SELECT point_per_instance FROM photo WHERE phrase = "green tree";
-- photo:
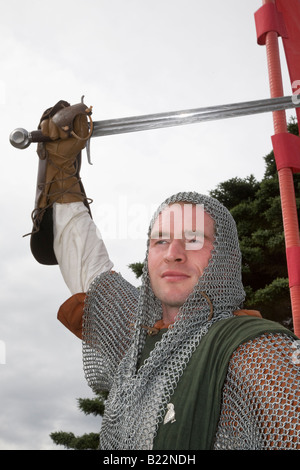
(137, 268)
(90, 441)
(256, 208)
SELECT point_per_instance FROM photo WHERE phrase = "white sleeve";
(78, 246)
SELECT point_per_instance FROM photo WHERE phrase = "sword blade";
(192, 116)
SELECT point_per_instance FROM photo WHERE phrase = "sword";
(20, 138)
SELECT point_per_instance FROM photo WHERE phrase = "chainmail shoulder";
(261, 402)
(109, 316)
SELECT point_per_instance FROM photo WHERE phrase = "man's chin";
(176, 301)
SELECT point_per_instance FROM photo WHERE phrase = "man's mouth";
(174, 276)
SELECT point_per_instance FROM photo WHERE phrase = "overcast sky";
(128, 57)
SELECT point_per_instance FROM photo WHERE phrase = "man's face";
(180, 248)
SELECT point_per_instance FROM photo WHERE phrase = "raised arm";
(63, 230)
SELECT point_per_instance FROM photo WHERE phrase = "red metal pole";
(285, 175)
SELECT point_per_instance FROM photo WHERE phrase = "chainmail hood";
(221, 280)
(138, 397)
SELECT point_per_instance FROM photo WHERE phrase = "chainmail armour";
(114, 337)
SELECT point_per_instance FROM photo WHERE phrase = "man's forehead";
(182, 217)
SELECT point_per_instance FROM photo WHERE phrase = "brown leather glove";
(67, 127)
(59, 171)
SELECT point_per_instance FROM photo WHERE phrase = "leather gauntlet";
(58, 177)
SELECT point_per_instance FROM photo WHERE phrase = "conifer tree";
(90, 441)
(256, 208)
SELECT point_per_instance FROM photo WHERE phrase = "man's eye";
(193, 240)
(160, 242)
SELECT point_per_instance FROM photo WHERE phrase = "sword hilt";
(21, 138)
(63, 118)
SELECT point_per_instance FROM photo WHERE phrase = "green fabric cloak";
(197, 398)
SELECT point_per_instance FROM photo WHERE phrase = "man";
(185, 369)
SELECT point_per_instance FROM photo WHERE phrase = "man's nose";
(176, 251)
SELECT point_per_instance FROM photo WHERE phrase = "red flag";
(290, 10)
